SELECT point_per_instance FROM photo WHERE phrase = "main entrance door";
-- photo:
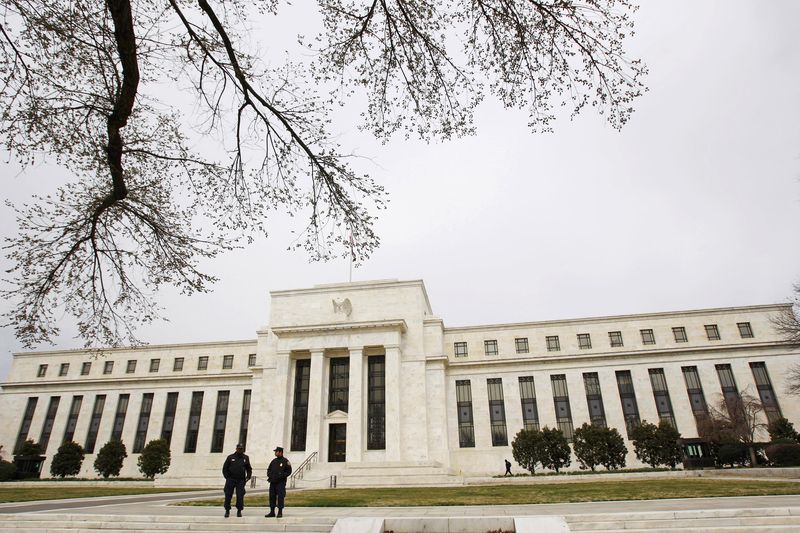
(337, 443)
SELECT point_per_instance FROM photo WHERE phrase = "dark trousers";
(238, 485)
(277, 492)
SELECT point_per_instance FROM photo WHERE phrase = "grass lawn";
(30, 494)
(520, 494)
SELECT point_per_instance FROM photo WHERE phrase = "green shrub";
(109, 459)
(733, 453)
(68, 460)
(29, 448)
(784, 454)
(595, 445)
(657, 445)
(555, 452)
(155, 458)
(526, 449)
(8, 471)
(782, 429)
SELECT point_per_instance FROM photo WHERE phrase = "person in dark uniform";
(278, 472)
(237, 472)
(508, 468)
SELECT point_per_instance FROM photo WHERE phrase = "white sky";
(695, 204)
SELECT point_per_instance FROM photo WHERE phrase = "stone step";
(704, 520)
(729, 529)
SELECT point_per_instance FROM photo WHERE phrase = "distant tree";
(782, 429)
(155, 458)
(739, 418)
(80, 86)
(110, 457)
(526, 449)
(29, 448)
(645, 443)
(787, 324)
(670, 449)
(68, 460)
(616, 452)
(596, 445)
(783, 454)
(556, 453)
(8, 470)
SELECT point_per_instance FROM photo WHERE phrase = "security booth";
(697, 454)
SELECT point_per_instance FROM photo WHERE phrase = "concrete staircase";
(397, 474)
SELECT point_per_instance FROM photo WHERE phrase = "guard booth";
(697, 454)
(29, 466)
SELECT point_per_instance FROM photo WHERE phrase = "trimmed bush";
(595, 445)
(67, 460)
(784, 454)
(8, 471)
(733, 453)
(155, 458)
(556, 452)
(526, 449)
(29, 448)
(109, 459)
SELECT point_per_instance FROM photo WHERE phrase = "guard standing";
(237, 472)
(278, 472)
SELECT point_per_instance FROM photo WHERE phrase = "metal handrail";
(298, 472)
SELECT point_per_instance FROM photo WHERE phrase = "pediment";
(336, 415)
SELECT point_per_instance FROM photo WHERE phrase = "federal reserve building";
(367, 381)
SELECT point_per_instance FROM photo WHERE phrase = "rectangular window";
(490, 347)
(169, 416)
(594, 398)
(154, 364)
(227, 362)
(630, 409)
(661, 395)
(251, 361)
(521, 344)
(339, 384)
(119, 417)
(25, 427)
(552, 343)
(302, 374)
(202, 362)
(193, 428)
(376, 402)
(42, 371)
(680, 334)
(131, 368)
(497, 412)
(108, 367)
(765, 391)
(72, 419)
(530, 411)
(561, 402)
(712, 332)
(466, 429)
(696, 397)
(49, 420)
(730, 392)
(86, 368)
(584, 341)
(647, 336)
(245, 421)
(62, 371)
(220, 421)
(460, 349)
(144, 422)
(177, 364)
(745, 331)
(94, 423)
(615, 339)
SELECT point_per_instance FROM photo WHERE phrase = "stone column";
(355, 403)
(280, 395)
(315, 405)
(394, 449)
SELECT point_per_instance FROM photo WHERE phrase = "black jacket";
(279, 470)
(237, 466)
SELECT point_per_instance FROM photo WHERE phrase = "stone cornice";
(115, 383)
(373, 325)
(139, 349)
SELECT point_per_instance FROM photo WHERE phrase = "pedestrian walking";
(508, 468)
(237, 472)
(278, 472)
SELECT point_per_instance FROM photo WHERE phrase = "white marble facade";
(355, 323)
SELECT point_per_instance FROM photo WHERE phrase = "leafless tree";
(787, 324)
(736, 418)
(78, 84)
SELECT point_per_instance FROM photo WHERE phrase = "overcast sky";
(696, 203)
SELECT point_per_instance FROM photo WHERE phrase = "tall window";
(376, 402)
(561, 402)
(119, 417)
(86, 367)
(765, 391)
(497, 412)
(647, 336)
(25, 427)
(460, 349)
(193, 427)
(661, 395)
(227, 362)
(302, 374)
(202, 362)
(154, 364)
(169, 416)
(745, 331)
(530, 411)
(251, 361)
(730, 392)
(630, 409)
(131, 368)
(521, 344)
(466, 428)
(144, 421)
(339, 384)
(49, 420)
(680, 334)
(712, 332)
(62, 371)
(220, 421)
(615, 338)
(42, 371)
(94, 423)
(695, 390)
(245, 422)
(108, 367)
(72, 419)
(552, 343)
(584, 341)
(594, 398)
(177, 364)
(490, 347)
